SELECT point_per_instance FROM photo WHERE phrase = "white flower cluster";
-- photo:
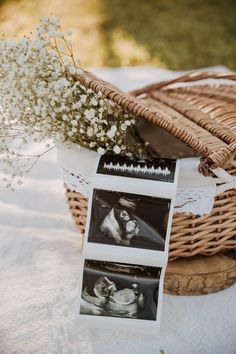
(41, 98)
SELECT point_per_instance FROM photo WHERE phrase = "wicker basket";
(204, 118)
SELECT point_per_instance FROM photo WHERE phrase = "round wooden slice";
(200, 275)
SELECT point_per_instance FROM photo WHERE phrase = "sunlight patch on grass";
(127, 52)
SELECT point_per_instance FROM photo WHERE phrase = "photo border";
(128, 255)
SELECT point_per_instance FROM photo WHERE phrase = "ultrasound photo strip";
(126, 245)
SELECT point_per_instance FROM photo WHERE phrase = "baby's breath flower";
(101, 151)
(83, 98)
(61, 48)
(116, 149)
(112, 131)
(90, 132)
(73, 70)
(89, 113)
(94, 102)
(69, 33)
(54, 20)
(41, 99)
(123, 127)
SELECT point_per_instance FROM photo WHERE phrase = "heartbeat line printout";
(126, 242)
(153, 169)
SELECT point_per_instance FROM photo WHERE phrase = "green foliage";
(174, 34)
(178, 34)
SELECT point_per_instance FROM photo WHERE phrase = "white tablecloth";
(39, 271)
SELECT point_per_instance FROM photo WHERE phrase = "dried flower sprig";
(41, 101)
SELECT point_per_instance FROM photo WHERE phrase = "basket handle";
(190, 77)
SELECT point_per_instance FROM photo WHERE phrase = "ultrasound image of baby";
(119, 222)
(127, 219)
(119, 290)
(109, 301)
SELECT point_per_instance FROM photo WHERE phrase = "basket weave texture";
(203, 117)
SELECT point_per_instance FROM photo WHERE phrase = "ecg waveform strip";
(136, 169)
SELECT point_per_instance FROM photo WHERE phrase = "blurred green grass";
(175, 34)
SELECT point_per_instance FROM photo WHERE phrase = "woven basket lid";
(203, 116)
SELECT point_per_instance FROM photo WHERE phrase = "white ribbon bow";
(224, 180)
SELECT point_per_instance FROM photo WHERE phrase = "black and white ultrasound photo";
(129, 220)
(120, 290)
(156, 169)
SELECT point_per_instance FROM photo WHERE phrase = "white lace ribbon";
(225, 181)
(195, 193)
